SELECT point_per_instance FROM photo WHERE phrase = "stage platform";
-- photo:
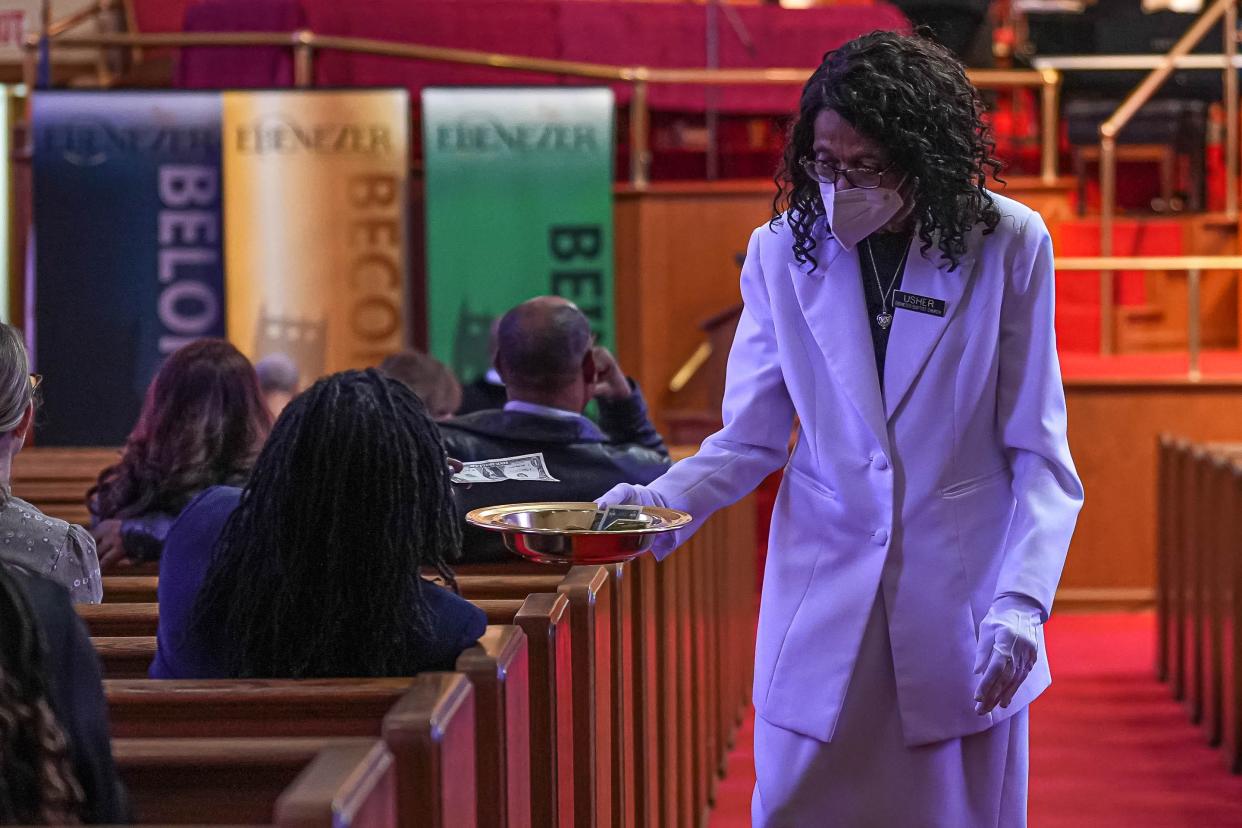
(1217, 366)
(1118, 408)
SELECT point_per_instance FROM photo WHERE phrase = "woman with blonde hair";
(30, 540)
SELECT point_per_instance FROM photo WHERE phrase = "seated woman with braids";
(202, 424)
(56, 764)
(62, 552)
(313, 570)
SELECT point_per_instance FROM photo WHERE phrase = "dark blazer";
(587, 459)
(186, 651)
(75, 692)
(481, 395)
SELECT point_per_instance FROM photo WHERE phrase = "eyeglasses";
(864, 178)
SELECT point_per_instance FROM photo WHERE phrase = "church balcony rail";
(305, 44)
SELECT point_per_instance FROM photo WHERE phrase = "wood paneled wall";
(675, 268)
(676, 246)
(1113, 428)
(675, 264)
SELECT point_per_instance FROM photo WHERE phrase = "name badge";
(920, 304)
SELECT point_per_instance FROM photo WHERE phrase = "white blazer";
(947, 488)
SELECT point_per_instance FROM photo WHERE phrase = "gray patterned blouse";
(60, 551)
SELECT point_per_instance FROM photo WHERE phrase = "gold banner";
(315, 195)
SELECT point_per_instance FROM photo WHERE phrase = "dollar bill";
(609, 518)
(525, 467)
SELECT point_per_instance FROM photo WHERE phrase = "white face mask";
(854, 214)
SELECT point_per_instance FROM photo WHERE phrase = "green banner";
(519, 204)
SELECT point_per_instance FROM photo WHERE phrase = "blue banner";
(128, 250)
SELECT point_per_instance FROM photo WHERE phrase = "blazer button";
(879, 462)
(880, 537)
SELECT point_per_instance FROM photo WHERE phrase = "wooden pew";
(498, 666)
(285, 782)
(125, 657)
(645, 689)
(428, 722)
(1231, 638)
(590, 600)
(1182, 535)
(545, 618)
(110, 620)
(433, 726)
(130, 589)
(686, 682)
(1200, 586)
(1216, 549)
(56, 480)
(590, 607)
(484, 582)
(709, 604)
(1197, 519)
(1166, 555)
(1209, 484)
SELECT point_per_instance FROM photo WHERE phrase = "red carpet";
(1109, 746)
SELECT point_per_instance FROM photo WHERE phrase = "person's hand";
(455, 467)
(110, 545)
(1008, 648)
(629, 493)
(610, 381)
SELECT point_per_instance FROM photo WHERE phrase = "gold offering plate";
(561, 532)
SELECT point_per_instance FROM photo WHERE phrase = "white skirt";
(867, 777)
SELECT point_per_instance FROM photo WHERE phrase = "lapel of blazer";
(914, 335)
(835, 310)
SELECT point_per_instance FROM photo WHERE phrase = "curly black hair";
(912, 97)
(38, 784)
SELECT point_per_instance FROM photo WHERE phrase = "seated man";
(551, 371)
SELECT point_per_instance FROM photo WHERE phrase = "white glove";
(1008, 649)
(629, 493)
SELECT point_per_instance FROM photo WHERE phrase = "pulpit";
(696, 391)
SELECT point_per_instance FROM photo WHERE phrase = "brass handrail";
(1192, 265)
(1110, 129)
(79, 17)
(305, 43)
(984, 78)
(1149, 263)
(1125, 63)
